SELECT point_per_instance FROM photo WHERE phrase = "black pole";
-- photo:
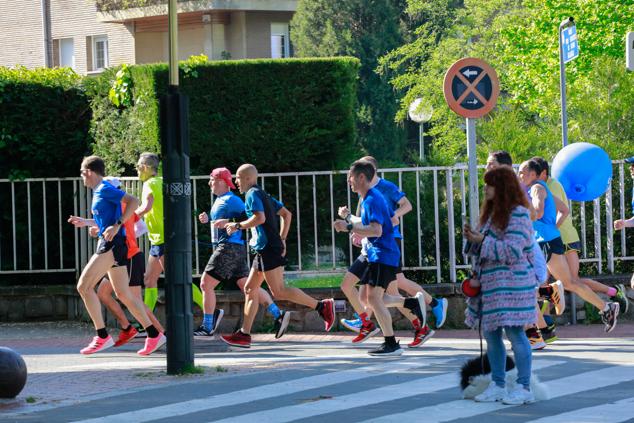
(177, 191)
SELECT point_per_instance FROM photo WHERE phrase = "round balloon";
(583, 169)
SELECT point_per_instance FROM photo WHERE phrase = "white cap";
(114, 181)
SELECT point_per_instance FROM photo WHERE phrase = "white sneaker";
(518, 396)
(492, 394)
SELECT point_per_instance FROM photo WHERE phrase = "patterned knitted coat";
(504, 267)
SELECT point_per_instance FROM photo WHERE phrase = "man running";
(621, 224)
(229, 259)
(383, 255)
(151, 209)
(110, 257)
(549, 239)
(268, 241)
(398, 205)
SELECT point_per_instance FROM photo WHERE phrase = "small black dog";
(475, 377)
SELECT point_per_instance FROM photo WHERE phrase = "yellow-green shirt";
(568, 232)
(154, 218)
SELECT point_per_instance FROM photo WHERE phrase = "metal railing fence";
(35, 237)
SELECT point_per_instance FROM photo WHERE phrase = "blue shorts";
(157, 250)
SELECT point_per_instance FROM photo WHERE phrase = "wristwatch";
(238, 225)
(348, 218)
(349, 226)
(119, 222)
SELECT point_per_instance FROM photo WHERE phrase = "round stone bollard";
(12, 373)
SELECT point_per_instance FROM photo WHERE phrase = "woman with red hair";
(502, 246)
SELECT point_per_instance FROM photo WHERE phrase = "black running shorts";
(136, 269)
(118, 247)
(379, 274)
(359, 266)
(268, 259)
(554, 246)
(228, 261)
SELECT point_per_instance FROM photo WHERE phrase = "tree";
(519, 39)
(366, 29)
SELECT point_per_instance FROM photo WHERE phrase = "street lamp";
(420, 113)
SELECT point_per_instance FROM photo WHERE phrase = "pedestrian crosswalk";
(586, 383)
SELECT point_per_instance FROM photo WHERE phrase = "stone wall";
(61, 302)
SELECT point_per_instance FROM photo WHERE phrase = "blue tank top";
(546, 227)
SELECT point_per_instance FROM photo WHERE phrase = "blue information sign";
(569, 43)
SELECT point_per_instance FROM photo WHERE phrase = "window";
(66, 53)
(280, 46)
(99, 52)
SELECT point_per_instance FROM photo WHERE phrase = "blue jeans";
(497, 354)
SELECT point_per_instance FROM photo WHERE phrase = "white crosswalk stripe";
(614, 412)
(359, 399)
(266, 391)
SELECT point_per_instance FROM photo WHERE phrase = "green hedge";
(281, 115)
(44, 121)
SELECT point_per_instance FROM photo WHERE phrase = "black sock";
(127, 329)
(152, 332)
(433, 303)
(319, 307)
(390, 340)
(545, 291)
(102, 333)
(410, 303)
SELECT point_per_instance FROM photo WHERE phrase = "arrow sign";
(469, 73)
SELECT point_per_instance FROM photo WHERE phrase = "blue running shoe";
(440, 311)
(352, 324)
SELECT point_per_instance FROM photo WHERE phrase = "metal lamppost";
(177, 191)
(420, 114)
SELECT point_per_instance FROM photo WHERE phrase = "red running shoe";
(421, 336)
(237, 339)
(125, 336)
(367, 331)
(328, 313)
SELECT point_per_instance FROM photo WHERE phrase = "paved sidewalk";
(59, 375)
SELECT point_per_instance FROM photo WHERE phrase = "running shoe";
(237, 339)
(492, 393)
(609, 316)
(328, 313)
(152, 344)
(218, 314)
(421, 336)
(202, 331)
(352, 324)
(549, 334)
(98, 344)
(518, 396)
(440, 311)
(281, 324)
(386, 350)
(125, 336)
(558, 297)
(366, 332)
(535, 338)
(621, 298)
(417, 306)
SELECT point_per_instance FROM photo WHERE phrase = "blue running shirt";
(227, 206)
(392, 195)
(381, 249)
(253, 203)
(106, 206)
(546, 227)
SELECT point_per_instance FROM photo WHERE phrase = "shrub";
(281, 115)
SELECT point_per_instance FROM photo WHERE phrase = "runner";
(398, 205)
(383, 255)
(621, 224)
(549, 239)
(110, 257)
(268, 241)
(151, 209)
(229, 259)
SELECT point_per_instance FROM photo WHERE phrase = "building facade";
(73, 33)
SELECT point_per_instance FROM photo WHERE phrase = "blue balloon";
(584, 170)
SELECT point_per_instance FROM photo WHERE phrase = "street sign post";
(568, 50)
(471, 90)
(629, 51)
